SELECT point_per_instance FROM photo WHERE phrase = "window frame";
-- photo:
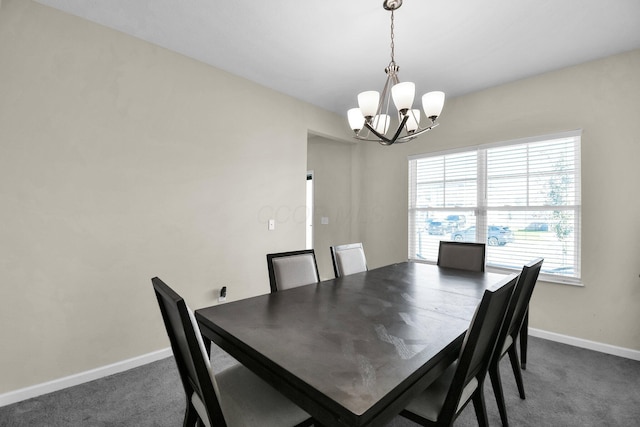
(482, 209)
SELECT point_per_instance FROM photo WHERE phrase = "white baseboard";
(82, 377)
(590, 345)
(94, 374)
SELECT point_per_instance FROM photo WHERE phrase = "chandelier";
(371, 121)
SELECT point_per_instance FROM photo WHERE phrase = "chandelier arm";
(400, 127)
(384, 96)
(386, 141)
(376, 133)
(416, 134)
(383, 139)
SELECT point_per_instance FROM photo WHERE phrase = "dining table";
(354, 350)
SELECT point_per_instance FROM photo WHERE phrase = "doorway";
(309, 211)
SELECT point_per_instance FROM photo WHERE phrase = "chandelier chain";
(393, 61)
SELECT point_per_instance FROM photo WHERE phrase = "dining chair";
(462, 255)
(291, 269)
(348, 259)
(512, 326)
(232, 397)
(462, 381)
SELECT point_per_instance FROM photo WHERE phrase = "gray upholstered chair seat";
(348, 259)
(247, 400)
(429, 403)
(292, 269)
(461, 255)
(296, 270)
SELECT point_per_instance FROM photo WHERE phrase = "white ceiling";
(326, 52)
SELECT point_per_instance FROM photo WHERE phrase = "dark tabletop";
(353, 350)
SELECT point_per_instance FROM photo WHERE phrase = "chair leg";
(480, 407)
(515, 365)
(524, 338)
(190, 416)
(496, 382)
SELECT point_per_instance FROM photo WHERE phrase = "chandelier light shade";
(368, 103)
(403, 94)
(371, 120)
(432, 103)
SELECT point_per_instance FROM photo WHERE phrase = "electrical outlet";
(223, 294)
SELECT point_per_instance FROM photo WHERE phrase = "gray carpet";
(565, 386)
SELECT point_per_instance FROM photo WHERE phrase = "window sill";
(545, 277)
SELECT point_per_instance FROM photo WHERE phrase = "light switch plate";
(272, 224)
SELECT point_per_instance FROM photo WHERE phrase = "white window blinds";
(522, 198)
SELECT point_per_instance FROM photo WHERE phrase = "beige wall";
(335, 196)
(120, 161)
(603, 99)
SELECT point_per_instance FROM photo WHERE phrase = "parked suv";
(537, 226)
(456, 221)
(439, 227)
(497, 235)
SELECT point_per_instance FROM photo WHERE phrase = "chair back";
(519, 303)
(479, 343)
(348, 259)
(189, 351)
(292, 269)
(462, 255)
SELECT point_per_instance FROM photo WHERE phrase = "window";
(520, 197)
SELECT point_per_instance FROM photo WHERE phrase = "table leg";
(207, 345)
